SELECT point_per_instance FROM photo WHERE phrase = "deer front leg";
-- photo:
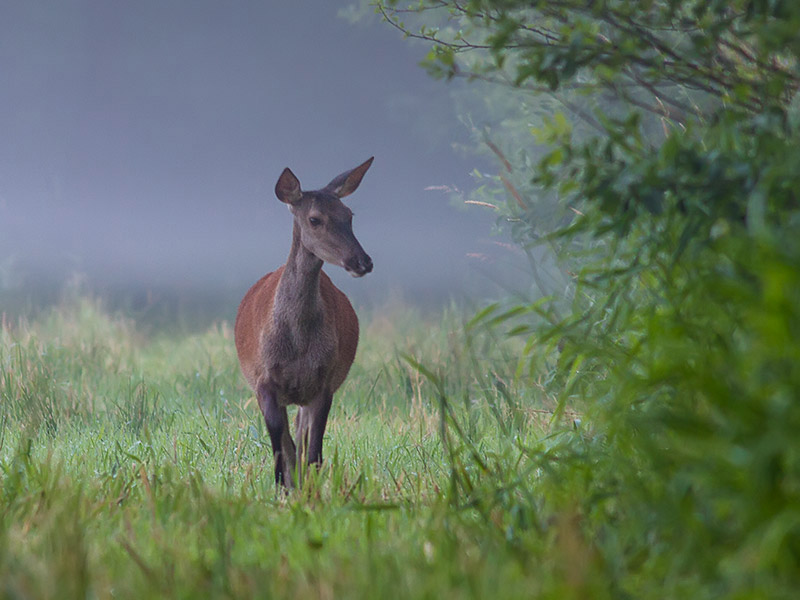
(310, 429)
(318, 419)
(283, 449)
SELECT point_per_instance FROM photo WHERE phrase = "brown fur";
(254, 323)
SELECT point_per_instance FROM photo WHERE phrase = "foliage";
(677, 149)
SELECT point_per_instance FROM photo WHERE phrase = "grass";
(140, 467)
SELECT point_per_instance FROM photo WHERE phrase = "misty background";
(142, 141)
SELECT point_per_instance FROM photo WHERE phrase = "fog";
(142, 141)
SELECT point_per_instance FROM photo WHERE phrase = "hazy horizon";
(144, 141)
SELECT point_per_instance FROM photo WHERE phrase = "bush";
(679, 226)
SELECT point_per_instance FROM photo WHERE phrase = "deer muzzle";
(358, 265)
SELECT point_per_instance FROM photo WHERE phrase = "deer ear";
(347, 183)
(288, 187)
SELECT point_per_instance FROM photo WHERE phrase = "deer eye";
(314, 221)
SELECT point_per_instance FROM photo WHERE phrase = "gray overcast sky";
(142, 140)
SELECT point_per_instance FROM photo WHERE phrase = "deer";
(296, 333)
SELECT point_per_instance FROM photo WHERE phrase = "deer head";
(324, 223)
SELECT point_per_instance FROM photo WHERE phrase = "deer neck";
(298, 301)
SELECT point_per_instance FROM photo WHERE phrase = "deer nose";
(359, 265)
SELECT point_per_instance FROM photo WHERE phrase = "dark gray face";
(326, 230)
(326, 225)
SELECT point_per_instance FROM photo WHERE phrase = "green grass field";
(140, 467)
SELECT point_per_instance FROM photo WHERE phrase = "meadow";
(138, 465)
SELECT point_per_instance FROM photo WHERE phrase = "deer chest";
(299, 363)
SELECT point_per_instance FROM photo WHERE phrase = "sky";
(142, 142)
